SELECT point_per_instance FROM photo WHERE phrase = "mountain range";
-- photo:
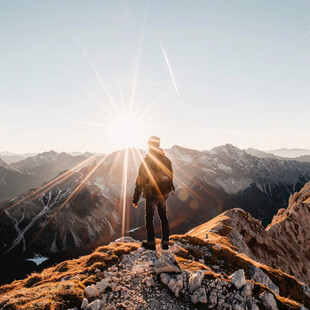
(81, 208)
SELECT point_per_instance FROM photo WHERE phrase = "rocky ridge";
(144, 279)
(284, 244)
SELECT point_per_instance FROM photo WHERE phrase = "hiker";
(155, 180)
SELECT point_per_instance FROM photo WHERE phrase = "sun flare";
(126, 131)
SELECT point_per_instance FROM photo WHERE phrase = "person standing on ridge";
(155, 180)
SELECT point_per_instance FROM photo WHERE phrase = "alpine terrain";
(78, 210)
(230, 262)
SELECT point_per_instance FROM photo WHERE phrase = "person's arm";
(171, 171)
(139, 186)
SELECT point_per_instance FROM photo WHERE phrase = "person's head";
(153, 143)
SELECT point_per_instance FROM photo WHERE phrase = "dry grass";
(53, 288)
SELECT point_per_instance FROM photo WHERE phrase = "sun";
(126, 131)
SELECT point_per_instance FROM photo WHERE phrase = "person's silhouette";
(155, 180)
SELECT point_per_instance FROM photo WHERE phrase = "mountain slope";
(48, 221)
(224, 271)
(12, 181)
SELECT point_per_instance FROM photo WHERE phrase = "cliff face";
(230, 262)
(284, 244)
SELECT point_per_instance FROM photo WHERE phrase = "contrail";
(171, 73)
(303, 37)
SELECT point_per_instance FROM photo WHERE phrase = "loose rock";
(200, 295)
(90, 291)
(238, 278)
(195, 280)
(268, 300)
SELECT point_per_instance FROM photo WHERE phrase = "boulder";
(102, 285)
(84, 303)
(268, 300)
(195, 280)
(200, 295)
(90, 291)
(166, 263)
(238, 278)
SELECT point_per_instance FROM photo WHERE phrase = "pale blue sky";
(242, 69)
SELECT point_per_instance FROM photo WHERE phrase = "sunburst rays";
(124, 190)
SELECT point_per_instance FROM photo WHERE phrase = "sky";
(102, 75)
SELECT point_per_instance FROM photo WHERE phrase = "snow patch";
(38, 259)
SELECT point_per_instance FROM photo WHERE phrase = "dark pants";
(150, 206)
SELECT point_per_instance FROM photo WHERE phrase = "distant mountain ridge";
(260, 154)
(33, 171)
(10, 157)
(291, 153)
(284, 155)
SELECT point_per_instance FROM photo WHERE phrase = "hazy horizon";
(78, 75)
(145, 148)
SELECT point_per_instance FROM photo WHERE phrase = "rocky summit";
(231, 262)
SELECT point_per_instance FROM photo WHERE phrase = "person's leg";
(150, 206)
(162, 213)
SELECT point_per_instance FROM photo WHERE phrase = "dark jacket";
(145, 181)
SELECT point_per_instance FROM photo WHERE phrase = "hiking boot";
(165, 245)
(148, 245)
